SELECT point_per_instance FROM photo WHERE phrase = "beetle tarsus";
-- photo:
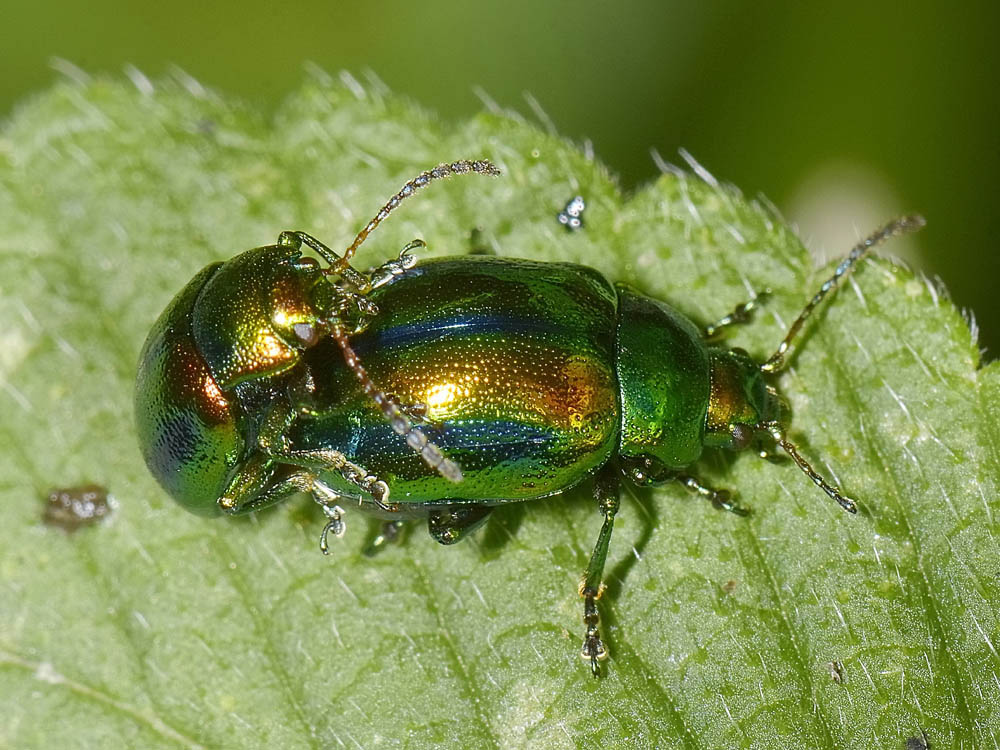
(370, 484)
(335, 525)
(593, 649)
(720, 499)
(383, 274)
(379, 491)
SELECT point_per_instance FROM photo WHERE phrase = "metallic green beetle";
(498, 380)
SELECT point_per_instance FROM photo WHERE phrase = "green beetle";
(484, 381)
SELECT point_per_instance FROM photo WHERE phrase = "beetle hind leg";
(646, 471)
(607, 494)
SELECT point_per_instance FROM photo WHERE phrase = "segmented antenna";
(777, 360)
(340, 265)
(778, 433)
(424, 178)
(903, 224)
(413, 435)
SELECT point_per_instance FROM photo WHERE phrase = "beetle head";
(259, 311)
(741, 404)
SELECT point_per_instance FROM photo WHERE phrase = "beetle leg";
(324, 459)
(606, 492)
(327, 499)
(389, 532)
(262, 482)
(334, 523)
(740, 314)
(369, 483)
(721, 499)
(389, 270)
(273, 444)
(296, 239)
(456, 522)
(477, 243)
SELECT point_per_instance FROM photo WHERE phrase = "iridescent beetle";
(485, 381)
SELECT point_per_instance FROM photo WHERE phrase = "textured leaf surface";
(162, 629)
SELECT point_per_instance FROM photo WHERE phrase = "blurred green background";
(843, 116)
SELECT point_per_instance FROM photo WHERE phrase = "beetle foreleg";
(606, 491)
(740, 314)
(273, 444)
(333, 460)
(295, 239)
(262, 482)
(721, 499)
(389, 270)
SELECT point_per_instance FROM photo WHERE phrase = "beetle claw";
(335, 524)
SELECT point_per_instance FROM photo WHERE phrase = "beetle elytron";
(442, 389)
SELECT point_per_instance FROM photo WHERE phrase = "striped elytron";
(442, 389)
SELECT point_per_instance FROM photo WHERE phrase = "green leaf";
(156, 628)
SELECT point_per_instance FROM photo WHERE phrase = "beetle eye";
(306, 333)
(741, 435)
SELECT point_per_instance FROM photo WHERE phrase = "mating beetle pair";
(444, 388)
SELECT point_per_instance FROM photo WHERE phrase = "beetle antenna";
(778, 433)
(424, 178)
(413, 435)
(898, 226)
